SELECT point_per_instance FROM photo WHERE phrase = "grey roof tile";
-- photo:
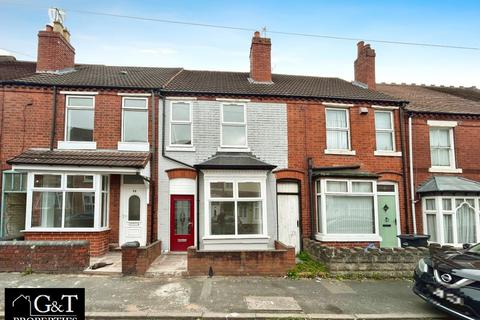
(439, 184)
(234, 160)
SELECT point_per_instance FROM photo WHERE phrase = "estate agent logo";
(45, 304)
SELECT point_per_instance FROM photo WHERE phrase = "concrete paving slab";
(168, 265)
(272, 303)
(337, 287)
(114, 257)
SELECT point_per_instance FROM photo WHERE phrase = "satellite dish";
(56, 15)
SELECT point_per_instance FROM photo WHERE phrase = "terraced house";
(233, 167)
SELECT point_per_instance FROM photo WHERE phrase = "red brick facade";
(260, 59)
(364, 66)
(137, 260)
(98, 239)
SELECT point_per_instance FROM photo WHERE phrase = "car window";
(475, 248)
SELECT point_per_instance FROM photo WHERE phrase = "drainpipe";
(404, 166)
(312, 203)
(412, 184)
(54, 118)
(153, 167)
(198, 209)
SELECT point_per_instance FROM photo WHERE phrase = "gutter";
(412, 183)
(54, 118)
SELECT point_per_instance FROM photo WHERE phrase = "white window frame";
(392, 152)
(97, 189)
(134, 109)
(321, 214)
(349, 150)
(179, 147)
(235, 178)
(70, 144)
(5, 191)
(452, 168)
(440, 212)
(234, 124)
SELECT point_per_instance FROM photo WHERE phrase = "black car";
(451, 281)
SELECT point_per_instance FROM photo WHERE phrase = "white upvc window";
(79, 121)
(234, 125)
(181, 129)
(442, 147)
(235, 207)
(451, 220)
(13, 203)
(134, 119)
(346, 210)
(384, 131)
(338, 129)
(67, 201)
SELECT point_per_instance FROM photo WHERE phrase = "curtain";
(350, 215)
(447, 228)
(466, 224)
(440, 146)
(337, 139)
(384, 140)
(432, 227)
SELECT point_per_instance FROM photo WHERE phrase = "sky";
(119, 41)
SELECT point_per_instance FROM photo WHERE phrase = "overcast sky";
(115, 41)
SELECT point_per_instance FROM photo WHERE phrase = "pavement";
(117, 297)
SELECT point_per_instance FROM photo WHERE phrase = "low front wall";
(98, 239)
(392, 262)
(275, 262)
(136, 260)
(44, 256)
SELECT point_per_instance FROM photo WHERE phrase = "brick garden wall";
(44, 256)
(394, 262)
(98, 241)
(242, 263)
(136, 260)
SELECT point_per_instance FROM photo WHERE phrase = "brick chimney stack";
(365, 65)
(55, 53)
(260, 59)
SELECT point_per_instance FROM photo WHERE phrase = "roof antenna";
(56, 15)
(264, 31)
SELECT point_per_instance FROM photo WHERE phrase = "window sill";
(347, 237)
(388, 153)
(180, 148)
(133, 146)
(75, 145)
(341, 152)
(233, 149)
(59, 230)
(237, 237)
(444, 170)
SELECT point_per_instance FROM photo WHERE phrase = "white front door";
(288, 214)
(133, 213)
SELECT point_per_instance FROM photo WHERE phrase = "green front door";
(387, 220)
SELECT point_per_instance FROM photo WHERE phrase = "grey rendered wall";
(267, 140)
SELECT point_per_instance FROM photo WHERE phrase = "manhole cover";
(272, 303)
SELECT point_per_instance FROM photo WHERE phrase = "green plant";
(28, 270)
(307, 268)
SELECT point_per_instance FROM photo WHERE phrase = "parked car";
(451, 281)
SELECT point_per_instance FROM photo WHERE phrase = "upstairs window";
(441, 147)
(338, 129)
(80, 116)
(181, 124)
(384, 132)
(135, 119)
(234, 125)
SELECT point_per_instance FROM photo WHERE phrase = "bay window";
(79, 118)
(452, 219)
(67, 201)
(234, 125)
(346, 210)
(235, 207)
(135, 119)
(181, 124)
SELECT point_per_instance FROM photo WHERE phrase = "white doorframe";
(397, 204)
(126, 190)
(295, 193)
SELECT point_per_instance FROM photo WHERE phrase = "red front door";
(181, 222)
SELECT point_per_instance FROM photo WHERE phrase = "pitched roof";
(234, 160)
(10, 68)
(101, 158)
(439, 184)
(239, 83)
(105, 77)
(436, 99)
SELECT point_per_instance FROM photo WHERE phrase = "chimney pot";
(364, 65)
(48, 28)
(55, 52)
